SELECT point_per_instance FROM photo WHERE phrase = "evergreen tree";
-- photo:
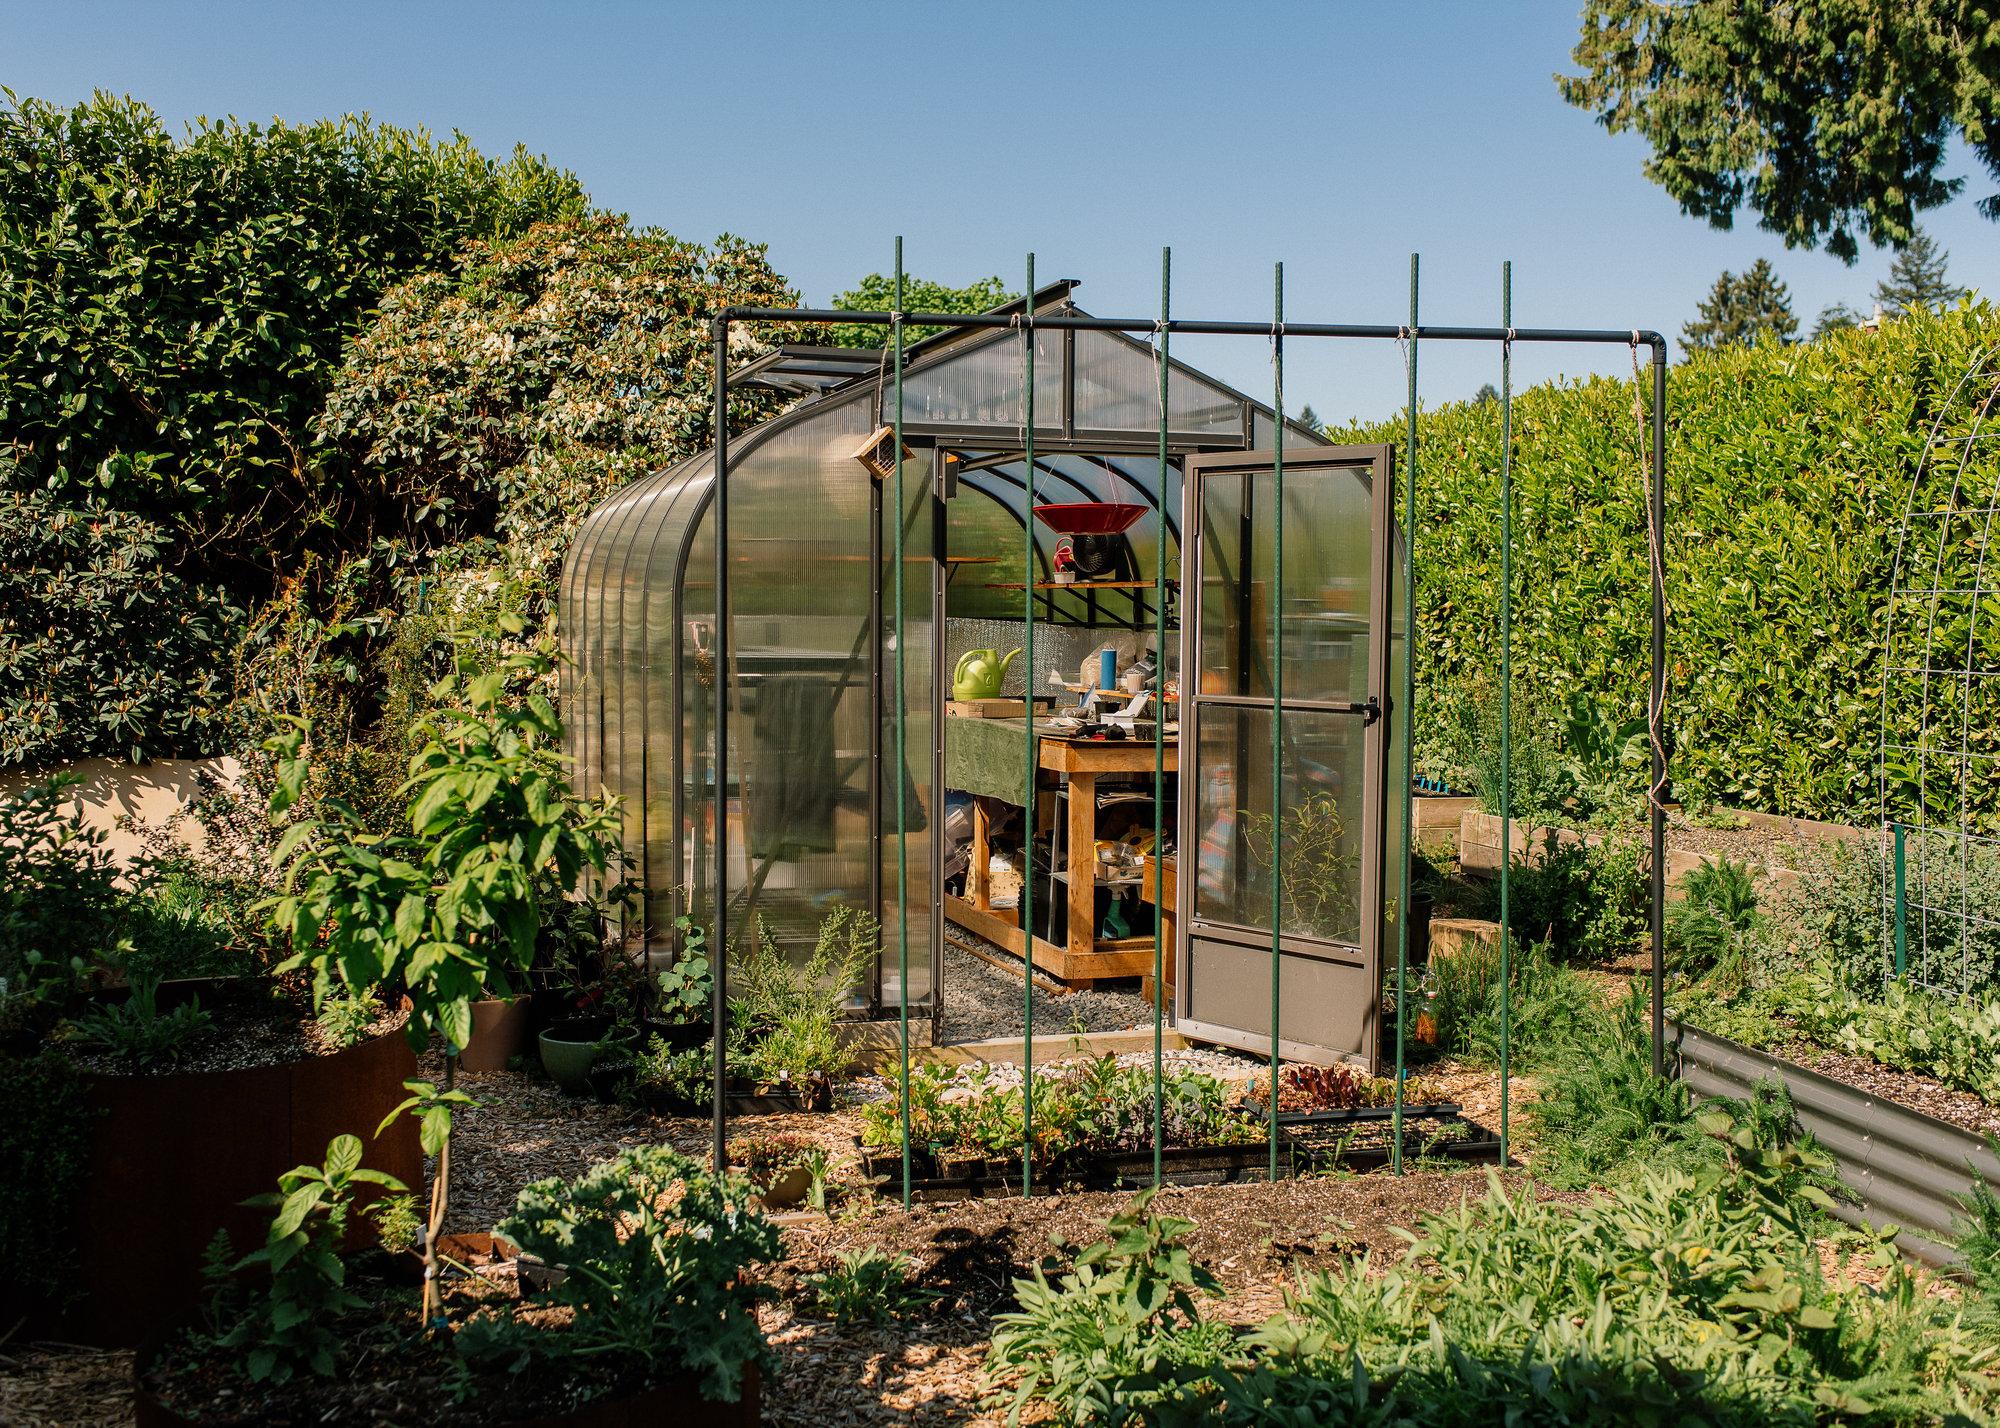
(1486, 393)
(1917, 278)
(1836, 318)
(1741, 309)
(1309, 419)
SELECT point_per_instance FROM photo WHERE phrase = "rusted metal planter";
(172, 1157)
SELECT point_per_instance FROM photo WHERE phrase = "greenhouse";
(1101, 491)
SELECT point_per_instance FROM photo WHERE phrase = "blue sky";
(1339, 137)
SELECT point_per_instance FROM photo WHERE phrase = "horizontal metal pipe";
(1079, 323)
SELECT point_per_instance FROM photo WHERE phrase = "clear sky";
(1339, 137)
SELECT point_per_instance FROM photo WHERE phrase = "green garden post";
(1902, 907)
(1277, 616)
(1160, 733)
(1027, 898)
(902, 712)
(1506, 681)
(1407, 791)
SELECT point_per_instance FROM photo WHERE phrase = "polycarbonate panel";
(1324, 606)
(982, 386)
(1296, 437)
(657, 867)
(1118, 389)
(920, 803)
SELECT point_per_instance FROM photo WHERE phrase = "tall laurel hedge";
(1787, 474)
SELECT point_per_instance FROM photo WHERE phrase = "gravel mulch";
(983, 1001)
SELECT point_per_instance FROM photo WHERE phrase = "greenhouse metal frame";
(902, 649)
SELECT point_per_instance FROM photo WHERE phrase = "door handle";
(1370, 710)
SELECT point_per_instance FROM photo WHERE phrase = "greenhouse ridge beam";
(1024, 319)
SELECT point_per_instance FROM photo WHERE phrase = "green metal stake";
(1027, 898)
(902, 792)
(1160, 735)
(1409, 724)
(1506, 684)
(1902, 909)
(1277, 605)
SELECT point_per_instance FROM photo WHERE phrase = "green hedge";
(1787, 473)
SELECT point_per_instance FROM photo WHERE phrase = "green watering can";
(979, 673)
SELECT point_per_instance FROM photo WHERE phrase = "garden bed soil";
(1905, 1088)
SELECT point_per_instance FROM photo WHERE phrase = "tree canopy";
(877, 293)
(1828, 118)
(1742, 308)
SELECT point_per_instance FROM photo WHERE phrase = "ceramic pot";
(569, 1049)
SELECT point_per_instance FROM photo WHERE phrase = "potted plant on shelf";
(450, 909)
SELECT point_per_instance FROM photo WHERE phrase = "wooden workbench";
(1082, 957)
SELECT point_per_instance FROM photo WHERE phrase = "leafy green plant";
(1551, 1011)
(344, 1019)
(1712, 928)
(655, 1248)
(1979, 1252)
(137, 1033)
(867, 1286)
(684, 990)
(1586, 901)
(291, 1330)
(1115, 1337)
(450, 910)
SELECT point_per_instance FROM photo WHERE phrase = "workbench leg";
(979, 865)
(1082, 864)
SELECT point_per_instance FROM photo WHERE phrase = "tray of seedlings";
(1093, 1131)
(1338, 1119)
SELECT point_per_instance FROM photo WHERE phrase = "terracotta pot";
(173, 1157)
(787, 1188)
(499, 1032)
(677, 1401)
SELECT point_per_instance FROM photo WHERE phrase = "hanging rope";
(1656, 563)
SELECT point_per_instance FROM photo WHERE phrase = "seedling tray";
(1365, 1139)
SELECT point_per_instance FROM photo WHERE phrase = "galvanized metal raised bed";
(1903, 1167)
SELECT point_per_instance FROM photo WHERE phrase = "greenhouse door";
(1332, 642)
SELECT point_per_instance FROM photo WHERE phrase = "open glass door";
(1332, 634)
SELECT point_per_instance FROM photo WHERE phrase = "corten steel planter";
(172, 1157)
(677, 1401)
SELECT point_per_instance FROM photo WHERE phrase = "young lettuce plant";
(449, 910)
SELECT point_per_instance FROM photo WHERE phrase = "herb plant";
(867, 1286)
(137, 1033)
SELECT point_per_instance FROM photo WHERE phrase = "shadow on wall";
(122, 799)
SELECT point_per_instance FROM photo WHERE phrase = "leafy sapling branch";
(450, 910)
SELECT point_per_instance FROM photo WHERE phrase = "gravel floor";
(981, 1000)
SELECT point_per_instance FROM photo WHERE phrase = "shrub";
(137, 1033)
(1786, 468)
(59, 894)
(104, 647)
(1585, 901)
(656, 1248)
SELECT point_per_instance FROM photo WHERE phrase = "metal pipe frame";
(1164, 327)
